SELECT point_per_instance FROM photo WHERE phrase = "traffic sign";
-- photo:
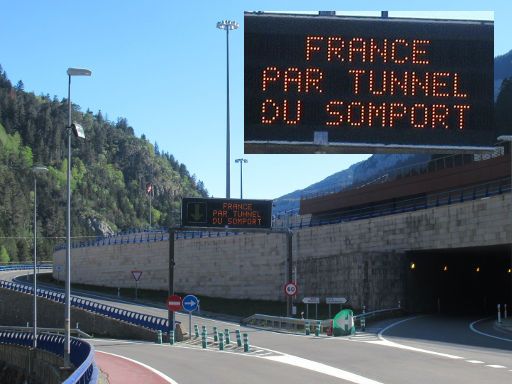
(190, 303)
(226, 213)
(290, 289)
(136, 275)
(311, 300)
(174, 303)
(335, 300)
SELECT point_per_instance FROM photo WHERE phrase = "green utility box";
(343, 323)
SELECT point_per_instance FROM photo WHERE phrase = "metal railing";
(81, 356)
(57, 331)
(443, 198)
(24, 267)
(290, 324)
(146, 321)
(412, 169)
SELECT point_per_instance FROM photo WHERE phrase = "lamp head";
(227, 25)
(78, 72)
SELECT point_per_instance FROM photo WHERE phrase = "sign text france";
(367, 82)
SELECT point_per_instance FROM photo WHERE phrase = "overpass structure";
(435, 238)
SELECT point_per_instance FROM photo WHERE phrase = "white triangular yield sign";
(136, 275)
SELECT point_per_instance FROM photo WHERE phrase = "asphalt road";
(424, 349)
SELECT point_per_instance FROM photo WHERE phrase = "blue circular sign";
(190, 303)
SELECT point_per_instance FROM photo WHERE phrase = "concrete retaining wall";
(362, 260)
(16, 308)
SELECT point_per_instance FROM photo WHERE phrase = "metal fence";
(454, 196)
(81, 355)
(147, 321)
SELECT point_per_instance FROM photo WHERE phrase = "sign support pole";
(170, 314)
(289, 302)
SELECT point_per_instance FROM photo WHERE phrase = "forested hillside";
(111, 169)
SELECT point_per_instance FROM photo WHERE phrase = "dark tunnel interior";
(462, 281)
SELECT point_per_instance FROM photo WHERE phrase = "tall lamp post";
(227, 25)
(241, 161)
(79, 132)
(37, 169)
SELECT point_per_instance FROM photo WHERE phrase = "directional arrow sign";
(335, 300)
(311, 300)
(190, 303)
(197, 212)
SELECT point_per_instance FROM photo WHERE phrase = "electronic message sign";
(367, 83)
(226, 213)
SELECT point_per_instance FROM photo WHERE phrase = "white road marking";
(292, 360)
(162, 375)
(495, 366)
(321, 368)
(474, 361)
(472, 327)
(388, 343)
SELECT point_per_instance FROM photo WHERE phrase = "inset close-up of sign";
(340, 84)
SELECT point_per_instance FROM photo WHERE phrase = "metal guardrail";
(23, 267)
(146, 321)
(293, 324)
(81, 356)
(443, 198)
(56, 331)
(259, 320)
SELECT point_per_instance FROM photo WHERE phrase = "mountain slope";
(110, 171)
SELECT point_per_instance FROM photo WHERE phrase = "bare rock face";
(99, 226)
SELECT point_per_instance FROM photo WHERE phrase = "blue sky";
(161, 65)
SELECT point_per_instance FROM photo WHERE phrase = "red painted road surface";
(123, 371)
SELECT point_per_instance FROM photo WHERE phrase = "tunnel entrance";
(459, 281)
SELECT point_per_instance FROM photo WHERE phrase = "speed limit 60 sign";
(290, 289)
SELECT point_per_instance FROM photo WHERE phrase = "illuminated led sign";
(367, 83)
(226, 213)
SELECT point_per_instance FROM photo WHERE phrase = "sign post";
(136, 276)
(311, 300)
(190, 304)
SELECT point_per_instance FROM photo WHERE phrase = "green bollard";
(221, 341)
(306, 327)
(238, 338)
(203, 329)
(203, 339)
(215, 335)
(226, 336)
(318, 328)
(159, 337)
(171, 337)
(196, 331)
(246, 342)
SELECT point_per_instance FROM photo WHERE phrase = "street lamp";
(241, 161)
(36, 169)
(227, 25)
(79, 132)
